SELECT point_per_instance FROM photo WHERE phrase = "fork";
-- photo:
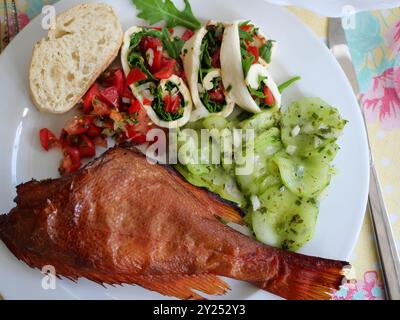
(10, 17)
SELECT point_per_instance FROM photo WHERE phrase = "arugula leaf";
(245, 36)
(164, 10)
(247, 61)
(256, 93)
(173, 46)
(136, 60)
(211, 106)
(266, 51)
(288, 83)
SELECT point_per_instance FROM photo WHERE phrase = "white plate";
(299, 53)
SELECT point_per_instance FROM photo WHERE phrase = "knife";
(386, 245)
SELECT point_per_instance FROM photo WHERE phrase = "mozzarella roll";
(154, 78)
(245, 56)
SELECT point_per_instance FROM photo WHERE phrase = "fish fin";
(183, 286)
(227, 211)
(302, 277)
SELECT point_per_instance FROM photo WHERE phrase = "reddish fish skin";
(124, 220)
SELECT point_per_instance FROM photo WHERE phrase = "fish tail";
(300, 277)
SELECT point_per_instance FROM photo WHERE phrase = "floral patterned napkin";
(375, 47)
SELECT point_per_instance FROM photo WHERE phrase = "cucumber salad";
(292, 153)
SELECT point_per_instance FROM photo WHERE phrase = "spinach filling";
(259, 95)
(209, 48)
(137, 59)
(247, 37)
(159, 104)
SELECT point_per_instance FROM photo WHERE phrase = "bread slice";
(79, 47)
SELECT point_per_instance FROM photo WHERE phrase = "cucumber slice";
(265, 172)
(285, 220)
(215, 122)
(310, 124)
(260, 122)
(217, 181)
(305, 177)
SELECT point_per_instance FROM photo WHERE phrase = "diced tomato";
(135, 75)
(172, 104)
(269, 97)
(86, 148)
(90, 96)
(135, 107)
(71, 162)
(78, 125)
(150, 43)
(157, 60)
(133, 135)
(142, 124)
(167, 69)
(255, 52)
(147, 102)
(100, 108)
(110, 96)
(119, 81)
(94, 131)
(246, 27)
(100, 141)
(187, 35)
(216, 59)
(127, 94)
(48, 139)
(217, 96)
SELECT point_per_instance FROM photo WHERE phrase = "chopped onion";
(255, 201)
(150, 57)
(295, 132)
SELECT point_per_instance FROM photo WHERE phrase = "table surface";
(374, 54)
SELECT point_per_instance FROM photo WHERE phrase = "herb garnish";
(164, 10)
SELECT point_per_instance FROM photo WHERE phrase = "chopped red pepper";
(246, 27)
(269, 97)
(135, 75)
(172, 104)
(167, 69)
(110, 96)
(255, 52)
(89, 97)
(48, 139)
(187, 35)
